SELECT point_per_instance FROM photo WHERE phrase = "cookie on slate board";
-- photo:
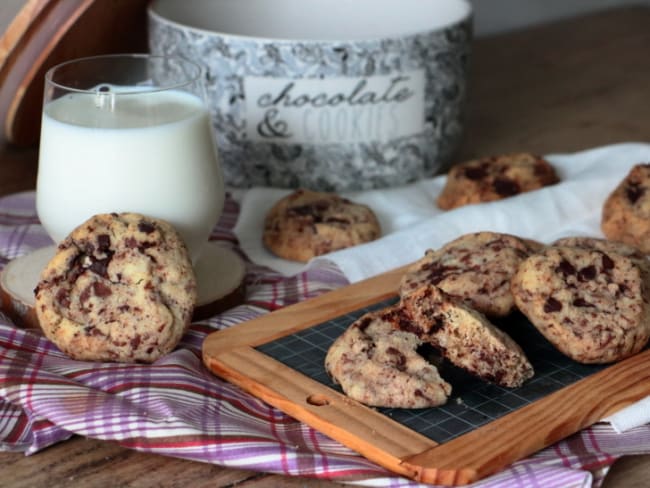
(306, 224)
(494, 178)
(376, 364)
(119, 288)
(475, 267)
(591, 304)
(463, 336)
(604, 245)
(626, 211)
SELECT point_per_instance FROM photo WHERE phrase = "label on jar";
(335, 110)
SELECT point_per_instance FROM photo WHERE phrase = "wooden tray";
(231, 354)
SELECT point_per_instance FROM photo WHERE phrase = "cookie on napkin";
(306, 224)
(494, 178)
(120, 288)
(626, 212)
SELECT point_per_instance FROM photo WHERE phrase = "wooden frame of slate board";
(234, 355)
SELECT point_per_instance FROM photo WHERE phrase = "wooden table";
(560, 87)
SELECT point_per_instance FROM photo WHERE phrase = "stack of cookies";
(445, 301)
(589, 297)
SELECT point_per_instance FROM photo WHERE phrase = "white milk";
(153, 154)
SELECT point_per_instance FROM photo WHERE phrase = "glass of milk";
(128, 133)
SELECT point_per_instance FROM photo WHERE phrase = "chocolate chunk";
(100, 266)
(398, 358)
(135, 341)
(85, 295)
(506, 187)
(566, 268)
(581, 302)
(476, 173)
(133, 243)
(436, 273)
(336, 220)
(634, 191)
(310, 209)
(436, 321)
(101, 290)
(103, 242)
(587, 273)
(63, 297)
(403, 322)
(364, 323)
(607, 262)
(552, 305)
(146, 227)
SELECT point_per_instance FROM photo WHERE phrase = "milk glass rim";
(149, 89)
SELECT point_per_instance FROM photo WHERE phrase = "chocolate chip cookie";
(604, 245)
(119, 288)
(626, 211)
(377, 364)
(463, 336)
(494, 178)
(475, 268)
(592, 304)
(306, 224)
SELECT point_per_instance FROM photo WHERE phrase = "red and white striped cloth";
(176, 407)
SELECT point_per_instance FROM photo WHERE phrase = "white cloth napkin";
(627, 418)
(411, 222)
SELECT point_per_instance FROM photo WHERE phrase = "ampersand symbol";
(269, 127)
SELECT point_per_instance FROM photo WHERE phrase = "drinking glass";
(128, 133)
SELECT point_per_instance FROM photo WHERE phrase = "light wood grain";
(561, 87)
(492, 447)
(18, 28)
(47, 32)
(305, 314)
